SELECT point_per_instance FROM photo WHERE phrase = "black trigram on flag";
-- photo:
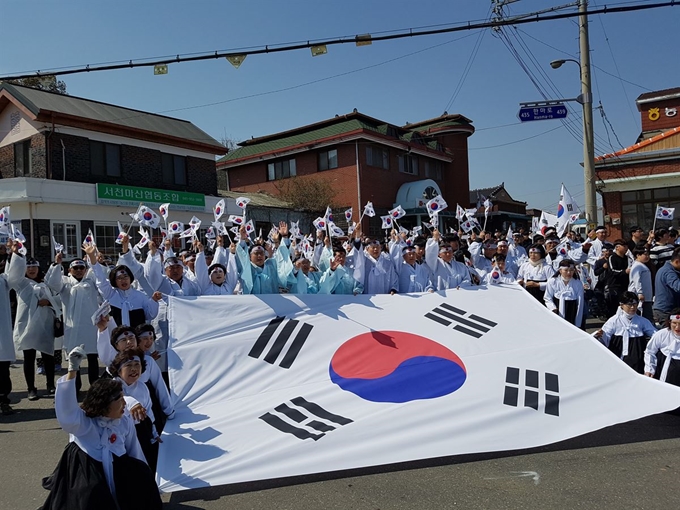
(280, 341)
(532, 390)
(470, 324)
(303, 419)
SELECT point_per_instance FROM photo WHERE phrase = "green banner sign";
(115, 194)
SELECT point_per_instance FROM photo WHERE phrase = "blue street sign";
(555, 111)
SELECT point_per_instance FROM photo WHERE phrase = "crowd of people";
(117, 315)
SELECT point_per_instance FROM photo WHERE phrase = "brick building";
(364, 159)
(69, 164)
(635, 180)
(505, 211)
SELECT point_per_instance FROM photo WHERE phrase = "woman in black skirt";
(103, 466)
(662, 356)
(564, 294)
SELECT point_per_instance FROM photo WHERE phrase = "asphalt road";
(634, 466)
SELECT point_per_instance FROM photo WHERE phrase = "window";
(22, 158)
(377, 156)
(104, 159)
(328, 159)
(67, 234)
(174, 169)
(408, 164)
(281, 170)
(433, 169)
(639, 207)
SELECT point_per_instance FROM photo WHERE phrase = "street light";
(586, 100)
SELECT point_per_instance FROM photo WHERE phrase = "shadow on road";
(651, 428)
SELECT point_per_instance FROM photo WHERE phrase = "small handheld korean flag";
(148, 217)
(348, 215)
(436, 205)
(434, 218)
(17, 235)
(250, 227)
(242, 202)
(495, 276)
(218, 210)
(368, 210)
(664, 213)
(187, 233)
(460, 213)
(487, 206)
(58, 248)
(210, 233)
(236, 220)
(175, 228)
(470, 213)
(4, 220)
(329, 214)
(164, 209)
(89, 238)
(319, 223)
(386, 222)
(467, 226)
(397, 213)
(121, 232)
(21, 248)
(335, 230)
(144, 238)
(195, 223)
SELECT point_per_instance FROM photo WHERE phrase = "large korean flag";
(283, 385)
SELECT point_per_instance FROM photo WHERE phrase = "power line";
(337, 41)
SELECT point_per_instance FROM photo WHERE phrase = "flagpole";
(133, 220)
(656, 213)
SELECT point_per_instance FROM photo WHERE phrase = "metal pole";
(588, 136)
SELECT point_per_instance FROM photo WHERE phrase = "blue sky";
(472, 73)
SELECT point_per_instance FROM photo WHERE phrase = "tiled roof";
(639, 145)
(486, 192)
(257, 199)
(658, 93)
(43, 102)
(339, 125)
(273, 144)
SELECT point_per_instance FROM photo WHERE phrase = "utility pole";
(588, 134)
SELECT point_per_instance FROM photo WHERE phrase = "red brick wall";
(611, 205)
(663, 122)
(655, 168)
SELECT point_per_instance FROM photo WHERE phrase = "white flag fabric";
(219, 209)
(566, 209)
(175, 228)
(319, 223)
(348, 215)
(460, 213)
(386, 222)
(328, 215)
(148, 217)
(58, 248)
(286, 385)
(242, 202)
(368, 209)
(164, 209)
(487, 207)
(547, 221)
(89, 238)
(397, 213)
(471, 213)
(236, 220)
(664, 213)
(436, 205)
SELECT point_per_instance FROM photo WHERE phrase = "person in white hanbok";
(380, 276)
(80, 300)
(129, 306)
(413, 277)
(7, 354)
(103, 466)
(535, 273)
(564, 294)
(626, 334)
(446, 273)
(662, 356)
(498, 273)
(34, 326)
(220, 279)
(127, 367)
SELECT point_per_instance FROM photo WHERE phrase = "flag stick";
(132, 220)
(485, 218)
(656, 212)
